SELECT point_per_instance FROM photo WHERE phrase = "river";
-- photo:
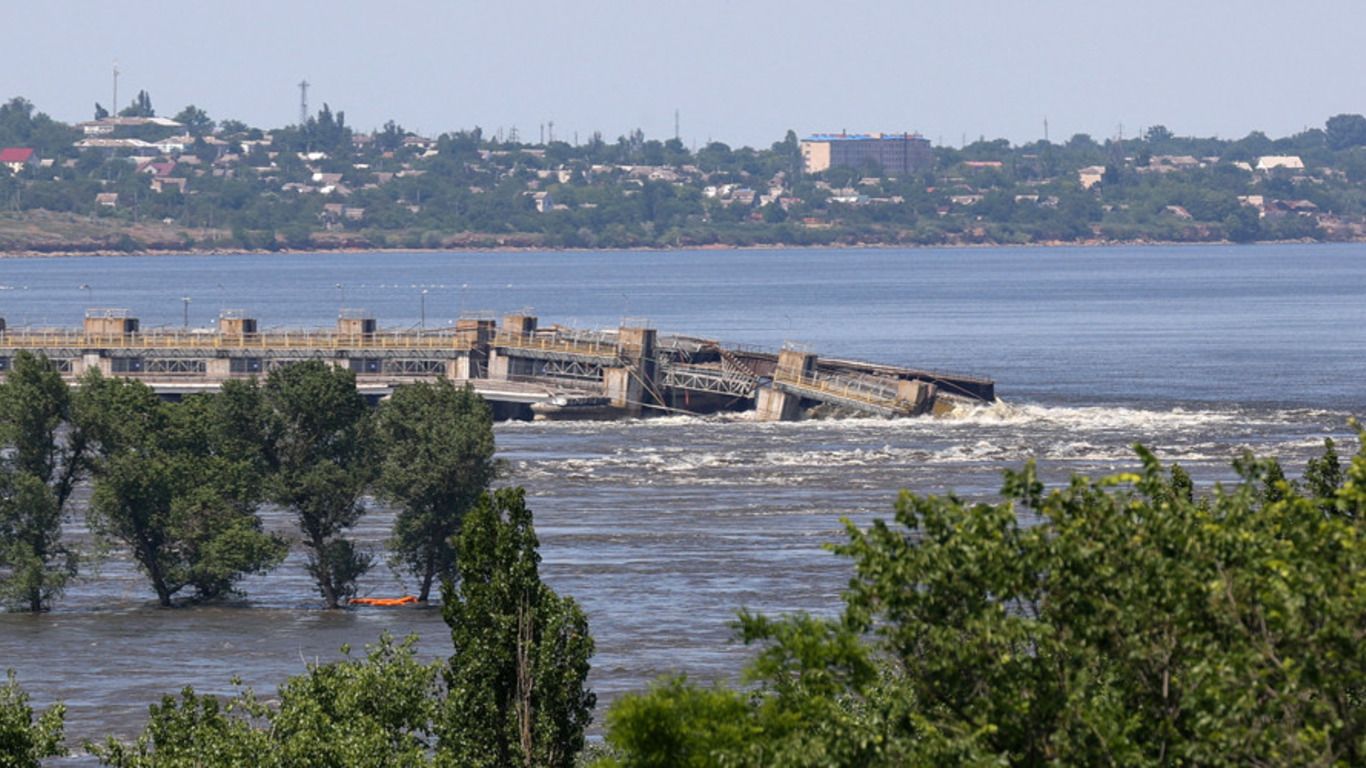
(663, 528)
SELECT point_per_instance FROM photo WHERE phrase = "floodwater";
(663, 528)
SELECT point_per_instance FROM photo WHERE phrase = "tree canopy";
(1121, 620)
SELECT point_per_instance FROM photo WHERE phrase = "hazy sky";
(740, 72)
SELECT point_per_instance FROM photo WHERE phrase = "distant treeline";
(224, 184)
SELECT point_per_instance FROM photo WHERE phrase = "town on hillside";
(139, 181)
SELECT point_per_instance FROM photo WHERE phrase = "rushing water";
(663, 528)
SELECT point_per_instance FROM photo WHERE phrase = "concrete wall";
(773, 404)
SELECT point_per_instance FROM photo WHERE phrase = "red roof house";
(15, 158)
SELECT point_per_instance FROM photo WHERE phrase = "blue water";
(663, 528)
(1250, 324)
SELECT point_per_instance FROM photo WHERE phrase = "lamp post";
(89, 293)
(423, 298)
(185, 301)
(341, 298)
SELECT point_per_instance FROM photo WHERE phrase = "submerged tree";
(437, 443)
(516, 690)
(322, 460)
(179, 484)
(1129, 623)
(37, 478)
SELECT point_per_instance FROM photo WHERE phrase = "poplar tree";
(516, 692)
(437, 443)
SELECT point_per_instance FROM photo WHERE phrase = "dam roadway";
(524, 370)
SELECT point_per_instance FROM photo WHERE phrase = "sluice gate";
(523, 369)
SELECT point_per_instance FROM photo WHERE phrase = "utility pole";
(423, 326)
(185, 300)
(303, 102)
(114, 105)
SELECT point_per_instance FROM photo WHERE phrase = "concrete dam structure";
(523, 369)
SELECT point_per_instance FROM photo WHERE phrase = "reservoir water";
(663, 528)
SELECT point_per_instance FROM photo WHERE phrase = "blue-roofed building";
(896, 154)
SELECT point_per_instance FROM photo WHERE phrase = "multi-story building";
(895, 153)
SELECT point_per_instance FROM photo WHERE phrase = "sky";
(742, 72)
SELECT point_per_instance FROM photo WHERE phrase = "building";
(1274, 162)
(895, 153)
(17, 158)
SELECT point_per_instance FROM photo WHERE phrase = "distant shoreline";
(230, 252)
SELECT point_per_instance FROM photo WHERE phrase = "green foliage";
(437, 444)
(375, 712)
(179, 484)
(141, 107)
(34, 564)
(36, 482)
(679, 724)
(321, 454)
(1126, 622)
(195, 120)
(193, 731)
(515, 683)
(24, 741)
(354, 713)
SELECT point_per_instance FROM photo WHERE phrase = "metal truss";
(178, 365)
(722, 379)
(415, 367)
(578, 370)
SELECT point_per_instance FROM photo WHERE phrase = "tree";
(195, 120)
(375, 711)
(1346, 131)
(437, 444)
(34, 564)
(1129, 623)
(321, 457)
(36, 481)
(24, 742)
(178, 485)
(141, 107)
(515, 683)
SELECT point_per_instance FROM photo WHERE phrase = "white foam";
(1089, 418)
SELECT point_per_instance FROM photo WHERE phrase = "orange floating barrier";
(383, 602)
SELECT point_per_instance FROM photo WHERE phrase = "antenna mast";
(114, 105)
(303, 102)
(676, 138)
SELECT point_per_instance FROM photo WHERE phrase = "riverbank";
(322, 251)
(49, 234)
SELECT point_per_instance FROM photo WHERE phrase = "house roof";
(15, 155)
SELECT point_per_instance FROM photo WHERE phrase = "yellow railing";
(842, 389)
(550, 342)
(23, 339)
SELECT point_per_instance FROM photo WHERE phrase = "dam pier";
(523, 369)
